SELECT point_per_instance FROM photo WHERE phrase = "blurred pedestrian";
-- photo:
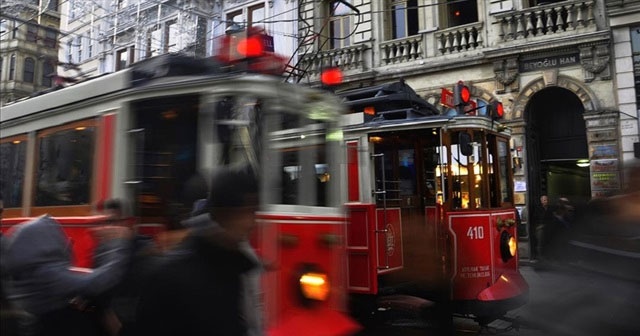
(542, 216)
(42, 281)
(120, 303)
(200, 289)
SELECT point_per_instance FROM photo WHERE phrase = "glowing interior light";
(314, 286)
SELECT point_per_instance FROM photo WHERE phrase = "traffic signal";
(495, 110)
(461, 94)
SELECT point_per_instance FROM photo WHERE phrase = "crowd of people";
(204, 285)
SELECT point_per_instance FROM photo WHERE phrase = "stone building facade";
(562, 71)
(29, 33)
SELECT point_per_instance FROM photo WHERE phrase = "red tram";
(391, 198)
(430, 203)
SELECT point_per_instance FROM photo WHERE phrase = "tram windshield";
(463, 169)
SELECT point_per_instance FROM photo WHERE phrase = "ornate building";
(563, 74)
(29, 32)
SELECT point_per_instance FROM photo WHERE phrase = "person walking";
(200, 289)
(37, 259)
(542, 216)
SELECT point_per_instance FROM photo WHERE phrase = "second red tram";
(430, 200)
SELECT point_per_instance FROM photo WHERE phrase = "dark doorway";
(556, 140)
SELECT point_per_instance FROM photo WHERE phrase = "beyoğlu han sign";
(549, 62)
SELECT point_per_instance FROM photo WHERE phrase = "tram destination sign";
(549, 62)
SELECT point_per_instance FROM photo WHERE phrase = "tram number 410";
(475, 232)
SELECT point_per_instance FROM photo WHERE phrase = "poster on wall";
(604, 151)
(605, 181)
(604, 165)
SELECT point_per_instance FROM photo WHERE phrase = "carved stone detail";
(595, 60)
(506, 75)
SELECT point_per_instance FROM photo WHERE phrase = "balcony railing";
(347, 59)
(460, 38)
(401, 50)
(546, 20)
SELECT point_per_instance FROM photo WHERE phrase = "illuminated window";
(339, 25)
(458, 13)
(404, 18)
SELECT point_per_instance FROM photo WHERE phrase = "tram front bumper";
(510, 285)
(316, 322)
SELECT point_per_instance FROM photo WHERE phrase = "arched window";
(47, 73)
(12, 67)
(29, 70)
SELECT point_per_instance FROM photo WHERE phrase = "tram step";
(405, 303)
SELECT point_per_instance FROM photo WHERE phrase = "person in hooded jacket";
(41, 280)
(200, 289)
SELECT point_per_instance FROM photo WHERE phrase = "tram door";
(165, 140)
(404, 184)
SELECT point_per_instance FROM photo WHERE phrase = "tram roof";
(158, 71)
(389, 97)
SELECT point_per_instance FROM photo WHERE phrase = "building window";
(404, 18)
(47, 73)
(5, 29)
(50, 38)
(70, 51)
(32, 32)
(80, 40)
(1, 64)
(171, 36)
(121, 61)
(247, 17)
(339, 25)
(154, 42)
(235, 18)
(12, 67)
(29, 70)
(635, 52)
(53, 5)
(460, 12)
(256, 14)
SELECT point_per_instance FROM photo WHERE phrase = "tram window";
(504, 164)
(12, 165)
(499, 185)
(305, 176)
(65, 166)
(461, 171)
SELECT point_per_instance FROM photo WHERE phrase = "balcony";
(351, 60)
(545, 21)
(495, 35)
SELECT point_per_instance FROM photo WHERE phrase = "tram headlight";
(508, 246)
(313, 285)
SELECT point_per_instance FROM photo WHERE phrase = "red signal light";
(331, 76)
(496, 110)
(250, 47)
(461, 94)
